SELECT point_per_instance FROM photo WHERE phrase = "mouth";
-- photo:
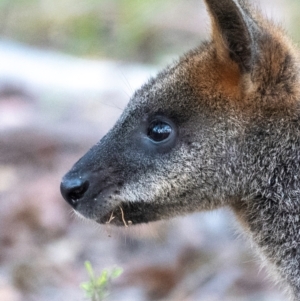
(127, 214)
(110, 209)
(116, 217)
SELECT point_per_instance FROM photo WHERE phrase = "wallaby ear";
(233, 32)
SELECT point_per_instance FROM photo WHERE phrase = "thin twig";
(123, 218)
(111, 218)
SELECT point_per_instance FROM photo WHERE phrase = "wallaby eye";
(159, 130)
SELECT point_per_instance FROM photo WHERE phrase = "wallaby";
(219, 127)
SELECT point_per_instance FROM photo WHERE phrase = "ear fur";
(233, 32)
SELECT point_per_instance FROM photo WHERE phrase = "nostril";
(73, 190)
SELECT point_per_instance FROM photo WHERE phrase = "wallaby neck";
(274, 227)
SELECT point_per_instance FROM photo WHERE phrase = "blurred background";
(67, 69)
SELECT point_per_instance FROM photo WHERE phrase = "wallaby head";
(219, 127)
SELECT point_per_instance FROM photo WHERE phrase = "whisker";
(113, 105)
(127, 83)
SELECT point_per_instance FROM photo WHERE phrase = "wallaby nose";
(73, 190)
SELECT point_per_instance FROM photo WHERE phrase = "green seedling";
(97, 288)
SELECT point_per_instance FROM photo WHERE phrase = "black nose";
(73, 190)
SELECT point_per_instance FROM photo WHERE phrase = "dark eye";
(159, 130)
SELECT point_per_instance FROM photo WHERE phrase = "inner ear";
(233, 32)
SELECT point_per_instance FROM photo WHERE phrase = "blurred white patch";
(8, 177)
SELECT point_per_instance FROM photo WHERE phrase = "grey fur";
(235, 114)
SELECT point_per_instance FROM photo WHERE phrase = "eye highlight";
(159, 131)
